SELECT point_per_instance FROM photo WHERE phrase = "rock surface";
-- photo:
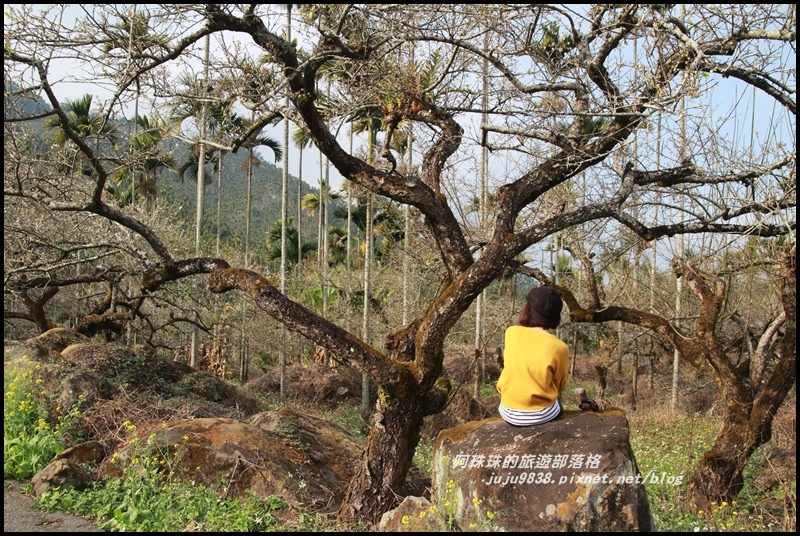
(414, 514)
(300, 458)
(575, 474)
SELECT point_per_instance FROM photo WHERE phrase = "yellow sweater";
(535, 368)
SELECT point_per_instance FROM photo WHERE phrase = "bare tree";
(564, 97)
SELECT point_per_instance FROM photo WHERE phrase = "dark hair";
(526, 319)
(542, 308)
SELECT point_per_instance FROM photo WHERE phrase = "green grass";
(424, 455)
(118, 505)
(670, 446)
(148, 496)
(31, 436)
(348, 416)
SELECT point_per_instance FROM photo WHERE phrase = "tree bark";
(388, 454)
(746, 426)
(749, 410)
(36, 308)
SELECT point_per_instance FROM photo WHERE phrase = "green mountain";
(18, 104)
(265, 200)
(266, 183)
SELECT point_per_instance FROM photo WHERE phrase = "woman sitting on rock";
(536, 362)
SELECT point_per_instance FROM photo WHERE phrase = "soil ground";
(20, 516)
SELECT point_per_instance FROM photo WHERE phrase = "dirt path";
(20, 516)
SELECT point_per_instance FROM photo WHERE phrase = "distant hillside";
(266, 184)
(21, 105)
(266, 199)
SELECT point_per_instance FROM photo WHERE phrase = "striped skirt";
(522, 417)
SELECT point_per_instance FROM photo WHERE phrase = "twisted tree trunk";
(749, 408)
(389, 451)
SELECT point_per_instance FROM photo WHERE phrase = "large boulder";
(315, 384)
(140, 370)
(412, 515)
(44, 347)
(67, 388)
(61, 473)
(304, 460)
(577, 473)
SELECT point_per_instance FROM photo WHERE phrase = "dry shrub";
(460, 369)
(105, 421)
(701, 399)
(777, 475)
(312, 384)
(182, 393)
(216, 396)
(784, 427)
(462, 407)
